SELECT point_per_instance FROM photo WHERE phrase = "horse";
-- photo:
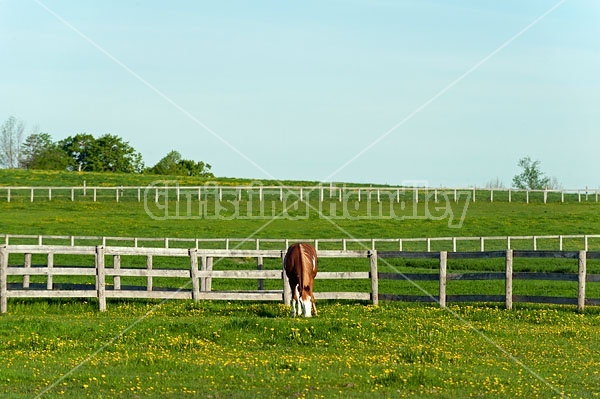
(300, 264)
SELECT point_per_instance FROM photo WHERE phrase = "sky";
(446, 92)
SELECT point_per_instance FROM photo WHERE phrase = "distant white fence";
(195, 279)
(583, 242)
(158, 192)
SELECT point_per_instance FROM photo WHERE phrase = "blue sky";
(360, 91)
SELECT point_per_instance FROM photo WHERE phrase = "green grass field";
(182, 349)
(66, 348)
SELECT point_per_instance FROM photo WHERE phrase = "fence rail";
(171, 189)
(424, 244)
(199, 274)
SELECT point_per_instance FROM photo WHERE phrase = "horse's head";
(305, 302)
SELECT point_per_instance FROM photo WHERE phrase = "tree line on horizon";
(84, 152)
(110, 153)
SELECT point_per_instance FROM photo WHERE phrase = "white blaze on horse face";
(306, 306)
(314, 263)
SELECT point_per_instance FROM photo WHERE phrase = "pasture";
(66, 348)
(220, 349)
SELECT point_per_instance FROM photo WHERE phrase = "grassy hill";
(67, 179)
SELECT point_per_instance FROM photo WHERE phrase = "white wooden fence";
(165, 189)
(452, 244)
(200, 273)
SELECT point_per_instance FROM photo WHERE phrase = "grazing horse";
(300, 264)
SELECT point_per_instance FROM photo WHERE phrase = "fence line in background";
(534, 242)
(340, 193)
(200, 274)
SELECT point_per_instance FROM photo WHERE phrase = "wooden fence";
(584, 242)
(170, 189)
(199, 274)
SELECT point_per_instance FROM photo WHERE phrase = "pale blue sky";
(302, 90)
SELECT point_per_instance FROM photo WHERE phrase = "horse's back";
(300, 256)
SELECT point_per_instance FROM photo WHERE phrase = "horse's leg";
(313, 303)
(295, 300)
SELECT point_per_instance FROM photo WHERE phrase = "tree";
(169, 165)
(199, 168)
(108, 153)
(111, 154)
(11, 138)
(174, 164)
(40, 152)
(79, 148)
(532, 177)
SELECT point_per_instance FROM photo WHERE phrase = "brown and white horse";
(300, 264)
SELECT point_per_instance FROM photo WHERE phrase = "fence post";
(560, 243)
(194, 274)
(443, 267)
(203, 268)
(148, 270)
(581, 281)
(3, 278)
(209, 267)
(259, 266)
(50, 282)
(27, 265)
(287, 292)
(374, 277)
(117, 267)
(509, 279)
(100, 278)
